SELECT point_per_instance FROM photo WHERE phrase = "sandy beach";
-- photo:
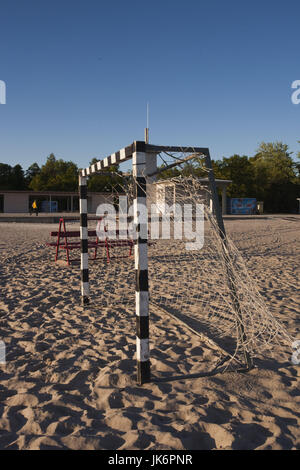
(69, 378)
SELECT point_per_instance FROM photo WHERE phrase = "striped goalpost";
(143, 158)
(138, 155)
(243, 313)
(84, 267)
(141, 268)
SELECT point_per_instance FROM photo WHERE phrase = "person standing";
(35, 208)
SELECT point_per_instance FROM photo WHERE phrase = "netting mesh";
(208, 288)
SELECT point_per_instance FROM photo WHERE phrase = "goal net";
(197, 276)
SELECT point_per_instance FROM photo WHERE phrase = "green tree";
(297, 166)
(238, 169)
(167, 174)
(18, 178)
(12, 177)
(275, 161)
(275, 177)
(31, 172)
(5, 176)
(110, 180)
(56, 175)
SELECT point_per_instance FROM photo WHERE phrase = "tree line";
(271, 175)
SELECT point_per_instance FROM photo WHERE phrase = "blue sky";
(79, 75)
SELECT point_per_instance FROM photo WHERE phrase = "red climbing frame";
(63, 242)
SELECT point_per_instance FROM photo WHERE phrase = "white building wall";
(97, 199)
(15, 202)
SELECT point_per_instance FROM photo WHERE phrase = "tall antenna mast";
(147, 128)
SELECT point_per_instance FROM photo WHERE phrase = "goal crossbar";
(126, 153)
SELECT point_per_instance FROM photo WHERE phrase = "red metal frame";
(106, 243)
(116, 242)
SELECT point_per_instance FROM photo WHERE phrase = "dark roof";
(49, 193)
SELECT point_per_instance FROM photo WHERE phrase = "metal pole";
(85, 288)
(141, 268)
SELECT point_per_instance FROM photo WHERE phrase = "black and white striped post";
(141, 267)
(84, 263)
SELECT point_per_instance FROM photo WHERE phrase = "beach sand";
(69, 378)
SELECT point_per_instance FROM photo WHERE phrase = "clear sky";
(80, 73)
